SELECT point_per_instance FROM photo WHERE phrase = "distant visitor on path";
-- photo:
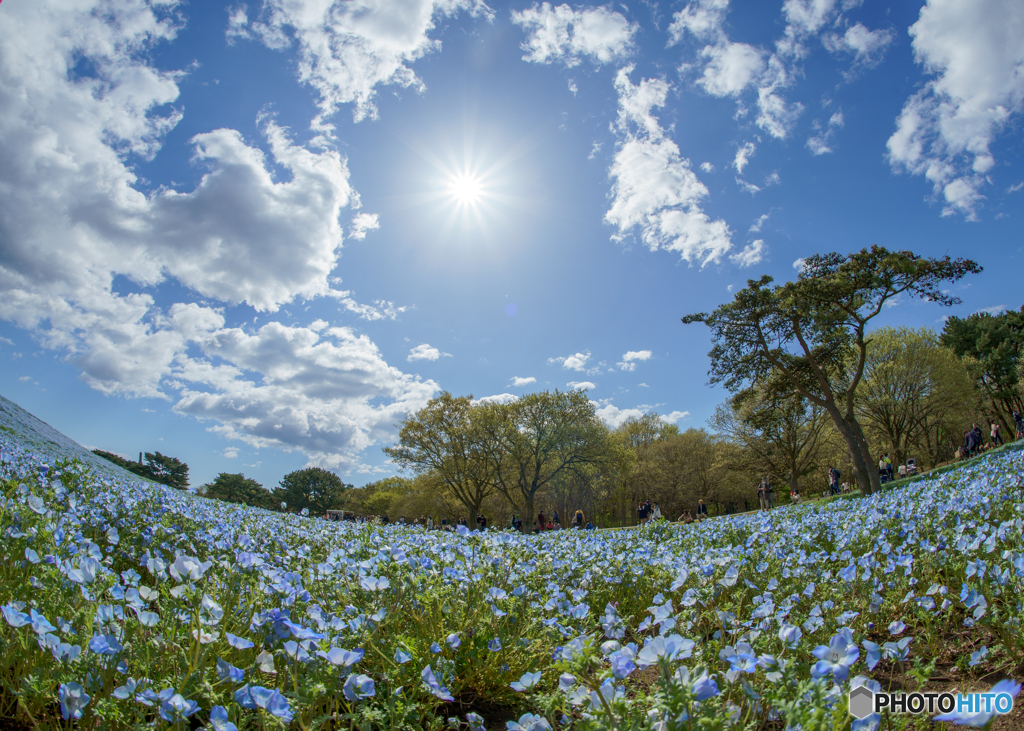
(702, 510)
(686, 517)
(656, 512)
(996, 437)
(762, 495)
(578, 518)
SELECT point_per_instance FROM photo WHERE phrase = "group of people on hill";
(702, 513)
(646, 512)
(543, 523)
(974, 438)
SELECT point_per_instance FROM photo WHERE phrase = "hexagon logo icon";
(862, 702)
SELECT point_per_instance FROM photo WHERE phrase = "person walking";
(1018, 422)
(888, 467)
(762, 496)
(766, 489)
(995, 435)
(578, 518)
(833, 480)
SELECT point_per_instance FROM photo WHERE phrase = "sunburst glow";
(465, 189)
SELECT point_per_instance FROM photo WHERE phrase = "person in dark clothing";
(1018, 422)
(978, 436)
(702, 510)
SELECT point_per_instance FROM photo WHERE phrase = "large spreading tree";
(809, 336)
(447, 438)
(539, 438)
(314, 489)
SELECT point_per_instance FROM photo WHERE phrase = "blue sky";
(257, 236)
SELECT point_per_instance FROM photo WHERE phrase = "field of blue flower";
(128, 604)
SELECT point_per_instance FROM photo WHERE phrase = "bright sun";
(465, 189)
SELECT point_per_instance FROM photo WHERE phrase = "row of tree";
(157, 467)
(812, 387)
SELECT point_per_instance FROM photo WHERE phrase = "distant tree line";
(812, 385)
(157, 467)
(313, 489)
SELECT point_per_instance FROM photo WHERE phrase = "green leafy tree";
(809, 336)
(169, 471)
(446, 438)
(237, 488)
(539, 437)
(157, 467)
(915, 394)
(780, 436)
(314, 489)
(994, 346)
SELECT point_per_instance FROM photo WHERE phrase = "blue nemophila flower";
(270, 700)
(227, 671)
(898, 651)
(238, 643)
(526, 682)
(981, 718)
(704, 687)
(529, 722)
(435, 648)
(219, 719)
(210, 612)
(453, 641)
(476, 723)
(979, 656)
(373, 583)
(14, 617)
(73, 700)
(358, 687)
(566, 682)
(401, 656)
(790, 634)
(671, 648)
(130, 688)
(105, 645)
(496, 594)
(176, 708)
(342, 658)
(494, 645)
(39, 623)
(896, 627)
(64, 652)
(837, 658)
(430, 681)
(622, 663)
(874, 654)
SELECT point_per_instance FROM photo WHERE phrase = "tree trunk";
(867, 479)
(865, 451)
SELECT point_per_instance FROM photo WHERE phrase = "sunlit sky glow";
(256, 236)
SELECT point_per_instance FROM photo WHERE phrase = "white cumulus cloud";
(630, 358)
(562, 34)
(423, 351)
(945, 131)
(576, 362)
(260, 229)
(517, 381)
(581, 385)
(654, 188)
(751, 254)
(348, 49)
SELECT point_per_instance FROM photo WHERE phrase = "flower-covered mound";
(127, 604)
